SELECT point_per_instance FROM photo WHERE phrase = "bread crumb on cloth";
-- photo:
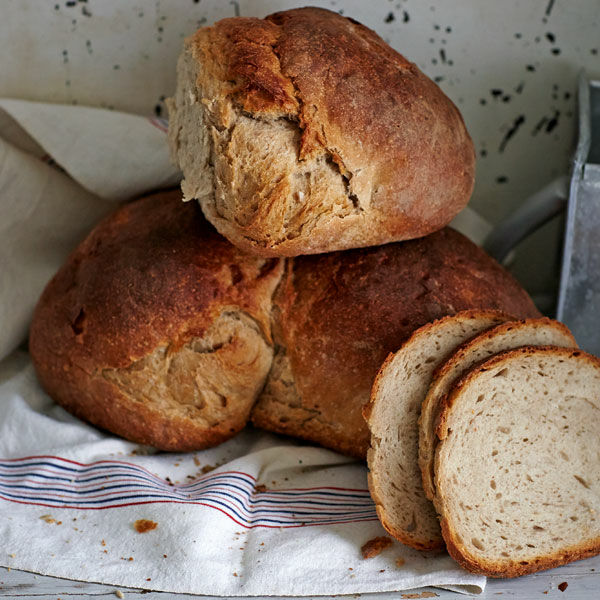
(144, 525)
(376, 546)
(49, 519)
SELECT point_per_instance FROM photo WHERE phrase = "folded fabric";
(44, 212)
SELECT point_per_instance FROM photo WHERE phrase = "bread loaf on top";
(304, 133)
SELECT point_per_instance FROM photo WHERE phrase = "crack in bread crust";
(156, 328)
(191, 379)
(269, 111)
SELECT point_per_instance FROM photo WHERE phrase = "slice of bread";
(517, 469)
(392, 416)
(507, 336)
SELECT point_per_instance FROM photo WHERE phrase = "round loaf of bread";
(337, 316)
(156, 328)
(304, 132)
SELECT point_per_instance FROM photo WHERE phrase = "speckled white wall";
(510, 66)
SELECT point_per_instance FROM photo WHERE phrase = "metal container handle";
(530, 216)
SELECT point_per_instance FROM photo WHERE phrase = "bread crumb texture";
(304, 132)
(392, 415)
(512, 334)
(49, 519)
(517, 469)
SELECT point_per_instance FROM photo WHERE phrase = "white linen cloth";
(274, 517)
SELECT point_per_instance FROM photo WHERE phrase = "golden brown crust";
(336, 82)
(424, 332)
(461, 555)
(339, 315)
(153, 277)
(104, 405)
(499, 329)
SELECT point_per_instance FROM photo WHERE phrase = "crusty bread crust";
(500, 570)
(307, 84)
(338, 315)
(434, 401)
(458, 550)
(156, 328)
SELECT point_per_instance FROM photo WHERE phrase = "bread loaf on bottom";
(157, 328)
(337, 316)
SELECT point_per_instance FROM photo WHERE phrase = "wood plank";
(582, 578)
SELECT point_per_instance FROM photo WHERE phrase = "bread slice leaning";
(517, 469)
(529, 332)
(392, 415)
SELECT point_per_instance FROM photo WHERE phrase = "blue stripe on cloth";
(61, 483)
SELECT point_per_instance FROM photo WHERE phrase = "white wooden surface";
(582, 579)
